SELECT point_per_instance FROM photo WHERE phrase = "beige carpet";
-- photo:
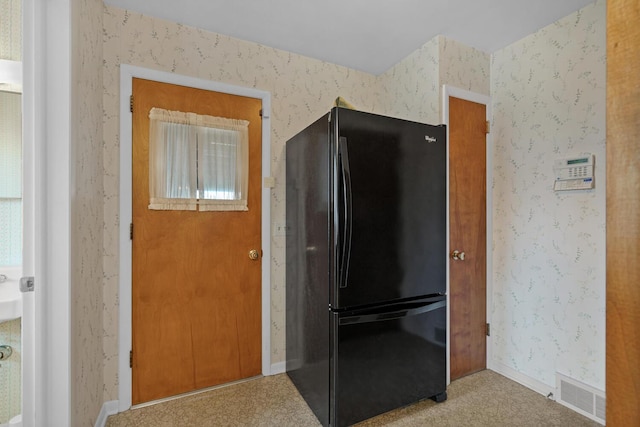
(482, 399)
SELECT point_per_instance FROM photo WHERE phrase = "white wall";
(548, 93)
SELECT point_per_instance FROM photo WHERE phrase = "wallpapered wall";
(412, 89)
(87, 382)
(409, 90)
(539, 113)
(463, 67)
(548, 94)
(302, 90)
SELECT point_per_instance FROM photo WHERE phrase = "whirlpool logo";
(429, 139)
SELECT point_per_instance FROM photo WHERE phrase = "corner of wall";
(548, 102)
(410, 89)
(464, 67)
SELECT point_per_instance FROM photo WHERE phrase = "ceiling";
(366, 35)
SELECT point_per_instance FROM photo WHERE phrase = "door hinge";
(488, 331)
(131, 231)
(488, 126)
(131, 103)
(131, 359)
(261, 112)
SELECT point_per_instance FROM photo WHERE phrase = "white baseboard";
(523, 379)
(108, 408)
(278, 368)
(543, 388)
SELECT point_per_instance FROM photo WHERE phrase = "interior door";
(196, 294)
(467, 218)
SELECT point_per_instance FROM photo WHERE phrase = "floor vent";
(580, 397)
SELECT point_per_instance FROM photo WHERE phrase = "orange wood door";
(467, 219)
(623, 220)
(196, 295)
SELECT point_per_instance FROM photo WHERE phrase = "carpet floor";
(482, 399)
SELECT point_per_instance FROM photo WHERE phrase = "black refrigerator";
(366, 264)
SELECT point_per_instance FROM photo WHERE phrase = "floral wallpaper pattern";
(302, 90)
(463, 67)
(87, 382)
(548, 93)
(412, 89)
(409, 90)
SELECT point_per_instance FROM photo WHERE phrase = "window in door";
(197, 162)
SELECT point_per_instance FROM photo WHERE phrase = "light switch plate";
(269, 182)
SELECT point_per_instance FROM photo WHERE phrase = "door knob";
(254, 254)
(457, 255)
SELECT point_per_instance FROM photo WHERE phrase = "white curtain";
(197, 162)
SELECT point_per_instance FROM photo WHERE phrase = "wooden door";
(196, 294)
(623, 218)
(467, 218)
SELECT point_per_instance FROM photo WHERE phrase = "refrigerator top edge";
(335, 113)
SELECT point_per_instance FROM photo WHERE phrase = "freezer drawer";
(387, 358)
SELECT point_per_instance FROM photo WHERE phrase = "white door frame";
(127, 73)
(46, 391)
(31, 144)
(448, 91)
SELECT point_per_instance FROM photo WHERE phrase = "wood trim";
(623, 213)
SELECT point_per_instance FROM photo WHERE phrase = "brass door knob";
(457, 255)
(254, 254)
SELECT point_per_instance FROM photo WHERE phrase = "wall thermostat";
(574, 173)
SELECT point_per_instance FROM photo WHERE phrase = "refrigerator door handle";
(390, 315)
(346, 193)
